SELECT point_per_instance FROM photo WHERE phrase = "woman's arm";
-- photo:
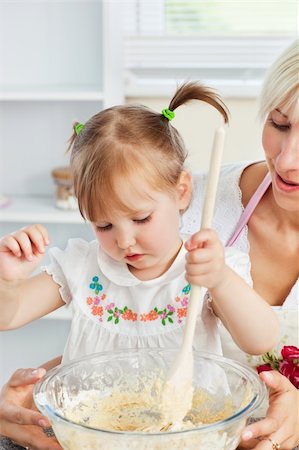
(52, 363)
(19, 419)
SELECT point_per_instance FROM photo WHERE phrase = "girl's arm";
(23, 299)
(247, 316)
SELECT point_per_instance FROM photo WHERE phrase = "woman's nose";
(289, 156)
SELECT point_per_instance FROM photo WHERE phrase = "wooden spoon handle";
(197, 292)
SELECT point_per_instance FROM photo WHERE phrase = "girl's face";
(281, 145)
(147, 240)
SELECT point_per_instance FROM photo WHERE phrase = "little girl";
(130, 287)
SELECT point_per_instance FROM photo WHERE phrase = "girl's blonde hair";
(281, 85)
(130, 140)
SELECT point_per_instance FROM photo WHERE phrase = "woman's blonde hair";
(130, 140)
(281, 85)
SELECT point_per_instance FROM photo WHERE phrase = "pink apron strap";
(253, 202)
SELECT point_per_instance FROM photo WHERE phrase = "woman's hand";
(21, 252)
(281, 424)
(205, 259)
(19, 420)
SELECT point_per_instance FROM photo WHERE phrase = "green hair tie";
(168, 113)
(78, 128)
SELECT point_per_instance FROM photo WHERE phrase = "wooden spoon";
(178, 390)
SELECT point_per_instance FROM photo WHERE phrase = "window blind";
(228, 43)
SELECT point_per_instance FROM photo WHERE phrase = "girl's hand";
(19, 419)
(281, 423)
(21, 252)
(205, 259)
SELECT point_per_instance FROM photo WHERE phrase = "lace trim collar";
(118, 272)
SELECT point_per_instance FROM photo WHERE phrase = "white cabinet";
(60, 61)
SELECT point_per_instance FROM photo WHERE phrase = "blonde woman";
(258, 213)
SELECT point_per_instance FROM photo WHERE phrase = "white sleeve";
(65, 266)
(190, 220)
(240, 262)
(228, 205)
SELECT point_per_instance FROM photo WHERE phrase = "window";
(227, 44)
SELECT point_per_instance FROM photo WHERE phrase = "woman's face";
(281, 145)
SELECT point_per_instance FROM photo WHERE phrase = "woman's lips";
(285, 185)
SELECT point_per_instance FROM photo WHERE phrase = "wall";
(197, 122)
(31, 345)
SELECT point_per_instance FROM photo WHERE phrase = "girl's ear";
(184, 190)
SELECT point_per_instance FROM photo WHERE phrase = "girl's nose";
(124, 240)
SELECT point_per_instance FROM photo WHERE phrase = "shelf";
(48, 95)
(36, 210)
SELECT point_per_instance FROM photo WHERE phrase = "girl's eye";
(104, 228)
(146, 219)
(279, 126)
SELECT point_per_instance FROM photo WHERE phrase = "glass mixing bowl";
(228, 393)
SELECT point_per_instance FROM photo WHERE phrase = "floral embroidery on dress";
(164, 314)
(112, 313)
(95, 285)
(115, 313)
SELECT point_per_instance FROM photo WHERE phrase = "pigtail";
(73, 137)
(196, 91)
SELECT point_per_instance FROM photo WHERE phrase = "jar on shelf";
(65, 198)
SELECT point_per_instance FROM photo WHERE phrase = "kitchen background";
(64, 60)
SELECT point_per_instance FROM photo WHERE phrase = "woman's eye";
(144, 220)
(280, 126)
(104, 228)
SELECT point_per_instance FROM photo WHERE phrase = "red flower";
(291, 371)
(263, 368)
(287, 364)
(290, 352)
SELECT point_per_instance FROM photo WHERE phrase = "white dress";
(113, 310)
(228, 210)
